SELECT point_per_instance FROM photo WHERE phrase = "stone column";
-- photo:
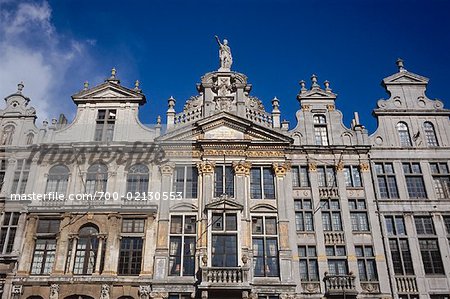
(242, 175)
(98, 260)
(149, 246)
(62, 245)
(285, 252)
(113, 245)
(206, 171)
(162, 242)
(74, 239)
(27, 252)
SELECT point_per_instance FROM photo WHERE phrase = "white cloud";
(32, 51)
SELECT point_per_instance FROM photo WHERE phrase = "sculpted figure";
(226, 60)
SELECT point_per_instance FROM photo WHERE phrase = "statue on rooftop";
(226, 60)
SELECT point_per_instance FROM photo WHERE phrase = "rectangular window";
(104, 129)
(337, 260)
(304, 215)
(401, 256)
(265, 246)
(395, 225)
(366, 263)
(352, 176)
(309, 270)
(223, 181)
(2, 172)
(441, 179)
(130, 256)
(424, 225)
(446, 296)
(408, 296)
(182, 245)
(45, 246)
(300, 176)
(179, 296)
(447, 224)
(224, 240)
(331, 215)
(44, 256)
(431, 256)
(358, 214)
(262, 183)
(414, 180)
(186, 181)
(20, 176)
(133, 225)
(326, 176)
(8, 231)
(387, 184)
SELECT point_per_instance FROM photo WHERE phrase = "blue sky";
(168, 45)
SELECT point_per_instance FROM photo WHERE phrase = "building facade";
(225, 200)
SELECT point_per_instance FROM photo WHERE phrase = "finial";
(136, 84)
(113, 73)
(45, 123)
(400, 65)
(314, 81)
(327, 85)
(275, 102)
(86, 85)
(20, 87)
(302, 85)
(171, 102)
(158, 120)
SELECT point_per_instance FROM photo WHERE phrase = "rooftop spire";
(314, 81)
(113, 77)
(400, 65)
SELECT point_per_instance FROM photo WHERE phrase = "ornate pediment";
(405, 77)
(109, 91)
(225, 127)
(224, 204)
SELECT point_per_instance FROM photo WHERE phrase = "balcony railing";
(406, 284)
(328, 192)
(334, 238)
(224, 276)
(340, 284)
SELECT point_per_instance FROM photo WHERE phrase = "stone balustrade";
(260, 117)
(406, 284)
(334, 238)
(328, 192)
(340, 284)
(222, 276)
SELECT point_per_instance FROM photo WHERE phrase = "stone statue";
(226, 60)
(104, 294)
(54, 290)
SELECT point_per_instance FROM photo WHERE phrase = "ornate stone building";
(225, 201)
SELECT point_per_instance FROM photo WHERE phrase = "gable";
(405, 78)
(109, 91)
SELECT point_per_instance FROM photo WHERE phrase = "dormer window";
(320, 130)
(104, 130)
(403, 134)
(430, 134)
(7, 136)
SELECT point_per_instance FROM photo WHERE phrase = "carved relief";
(340, 166)
(330, 107)
(159, 295)
(54, 290)
(104, 294)
(364, 167)
(166, 169)
(144, 291)
(312, 166)
(242, 168)
(206, 167)
(281, 169)
(306, 107)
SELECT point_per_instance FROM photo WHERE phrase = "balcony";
(340, 285)
(406, 284)
(225, 277)
(328, 192)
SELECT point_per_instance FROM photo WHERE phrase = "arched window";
(320, 130)
(96, 179)
(30, 137)
(403, 134)
(86, 250)
(7, 136)
(430, 134)
(137, 179)
(57, 179)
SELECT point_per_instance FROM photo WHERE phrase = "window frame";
(104, 127)
(21, 174)
(184, 184)
(389, 180)
(181, 254)
(310, 262)
(320, 130)
(363, 262)
(266, 186)
(415, 183)
(300, 176)
(304, 217)
(8, 231)
(227, 187)
(267, 241)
